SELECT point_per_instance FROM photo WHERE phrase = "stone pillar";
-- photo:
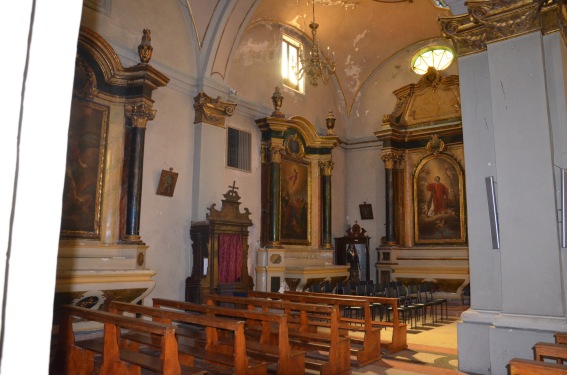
(139, 114)
(507, 93)
(326, 170)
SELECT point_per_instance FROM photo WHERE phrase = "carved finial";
(145, 48)
(233, 187)
(277, 100)
(330, 123)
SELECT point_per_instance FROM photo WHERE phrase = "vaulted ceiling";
(363, 34)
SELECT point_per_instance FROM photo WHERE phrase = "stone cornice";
(496, 20)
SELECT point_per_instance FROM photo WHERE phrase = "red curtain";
(230, 258)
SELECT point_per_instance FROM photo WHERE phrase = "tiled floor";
(432, 349)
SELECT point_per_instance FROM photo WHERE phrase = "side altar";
(102, 257)
(423, 157)
(295, 242)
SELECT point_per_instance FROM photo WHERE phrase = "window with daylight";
(438, 57)
(238, 149)
(291, 64)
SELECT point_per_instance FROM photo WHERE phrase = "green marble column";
(139, 115)
(326, 169)
(275, 194)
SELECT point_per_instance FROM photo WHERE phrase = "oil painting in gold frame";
(82, 192)
(439, 201)
(295, 220)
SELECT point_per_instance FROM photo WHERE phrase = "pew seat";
(78, 356)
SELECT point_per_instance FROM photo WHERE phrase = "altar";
(296, 269)
(295, 241)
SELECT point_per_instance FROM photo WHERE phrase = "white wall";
(31, 238)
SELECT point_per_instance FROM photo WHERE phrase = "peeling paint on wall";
(340, 3)
(352, 71)
(251, 52)
(295, 22)
(358, 38)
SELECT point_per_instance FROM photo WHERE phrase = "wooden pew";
(215, 352)
(278, 349)
(369, 350)
(77, 357)
(560, 337)
(399, 329)
(520, 366)
(303, 320)
(543, 350)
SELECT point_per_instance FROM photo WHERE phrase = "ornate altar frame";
(420, 137)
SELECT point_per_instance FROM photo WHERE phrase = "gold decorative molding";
(326, 167)
(212, 111)
(294, 147)
(390, 158)
(139, 114)
(272, 153)
(84, 84)
(435, 145)
(491, 21)
(434, 97)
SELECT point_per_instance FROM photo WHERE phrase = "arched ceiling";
(363, 34)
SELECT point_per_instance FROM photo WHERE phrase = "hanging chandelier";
(316, 65)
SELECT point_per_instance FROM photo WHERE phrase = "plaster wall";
(365, 176)
(256, 71)
(165, 221)
(123, 27)
(376, 99)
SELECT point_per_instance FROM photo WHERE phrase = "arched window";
(438, 57)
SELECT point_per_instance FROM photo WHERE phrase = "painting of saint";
(438, 201)
(294, 202)
(81, 194)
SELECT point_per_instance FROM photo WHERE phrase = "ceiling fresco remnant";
(363, 34)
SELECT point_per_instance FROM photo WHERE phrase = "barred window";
(238, 149)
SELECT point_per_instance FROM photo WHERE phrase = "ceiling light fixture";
(316, 65)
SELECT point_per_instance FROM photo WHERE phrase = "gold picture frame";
(295, 202)
(439, 205)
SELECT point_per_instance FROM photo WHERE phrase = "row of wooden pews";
(399, 329)
(302, 330)
(261, 333)
(556, 351)
(78, 356)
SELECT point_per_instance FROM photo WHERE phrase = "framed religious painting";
(82, 192)
(439, 201)
(295, 205)
(167, 181)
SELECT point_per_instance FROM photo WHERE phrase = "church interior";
(182, 149)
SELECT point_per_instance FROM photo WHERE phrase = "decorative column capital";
(491, 21)
(140, 114)
(326, 167)
(271, 153)
(212, 111)
(390, 158)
